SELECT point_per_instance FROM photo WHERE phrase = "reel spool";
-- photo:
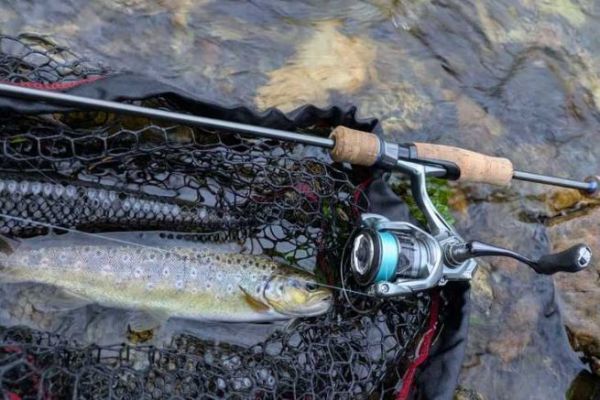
(379, 256)
(391, 257)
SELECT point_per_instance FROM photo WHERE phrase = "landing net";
(99, 172)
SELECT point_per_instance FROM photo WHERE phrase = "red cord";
(360, 189)
(56, 85)
(423, 349)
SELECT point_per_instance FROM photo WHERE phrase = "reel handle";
(574, 259)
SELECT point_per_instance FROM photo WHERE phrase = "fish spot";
(78, 266)
(33, 260)
(44, 262)
(150, 285)
(208, 285)
(165, 272)
(179, 285)
(219, 276)
(193, 273)
(230, 289)
(106, 269)
(137, 272)
(125, 258)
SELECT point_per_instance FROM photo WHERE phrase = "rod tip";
(594, 189)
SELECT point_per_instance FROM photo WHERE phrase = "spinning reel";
(393, 258)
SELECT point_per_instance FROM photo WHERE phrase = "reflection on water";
(517, 78)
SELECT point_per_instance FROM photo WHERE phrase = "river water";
(514, 78)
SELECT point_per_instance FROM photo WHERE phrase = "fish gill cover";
(98, 172)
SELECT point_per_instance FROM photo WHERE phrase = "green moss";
(439, 191)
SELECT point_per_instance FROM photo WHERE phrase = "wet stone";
(580, 293)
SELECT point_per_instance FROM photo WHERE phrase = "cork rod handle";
(355, 147)
(362, 148)
(474, 167)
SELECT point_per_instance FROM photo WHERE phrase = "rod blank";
(68, 100)
(589, 187)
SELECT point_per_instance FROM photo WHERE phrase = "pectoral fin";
(254, 303)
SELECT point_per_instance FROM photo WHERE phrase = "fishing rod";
(387, 258)
(345, 144)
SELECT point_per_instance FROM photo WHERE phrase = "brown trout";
(166, 278)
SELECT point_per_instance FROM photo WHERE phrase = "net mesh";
(287, 201)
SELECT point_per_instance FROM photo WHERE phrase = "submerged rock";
(328, 61)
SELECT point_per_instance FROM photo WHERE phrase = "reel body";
(394, 258)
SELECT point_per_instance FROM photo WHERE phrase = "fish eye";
(311, 287)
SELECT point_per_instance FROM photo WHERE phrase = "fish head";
(297, 295)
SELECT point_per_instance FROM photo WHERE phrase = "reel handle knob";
(573, 259)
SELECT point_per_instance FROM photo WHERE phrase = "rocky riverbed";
(515, 78)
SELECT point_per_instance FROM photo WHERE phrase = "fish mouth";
(321, 305)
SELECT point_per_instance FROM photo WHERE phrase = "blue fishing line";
(389, 257)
